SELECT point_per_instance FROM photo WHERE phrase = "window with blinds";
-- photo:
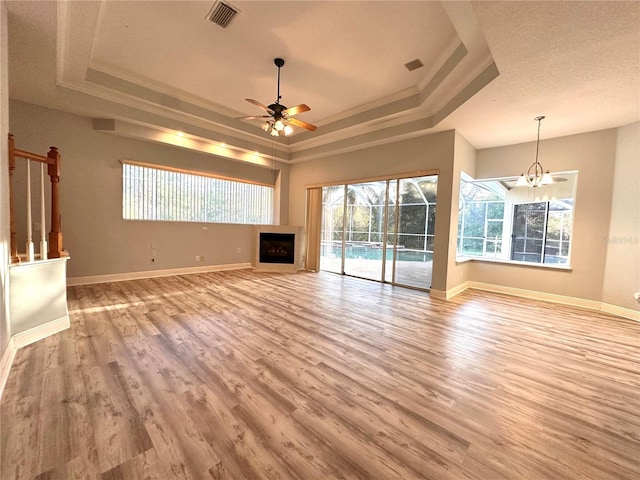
(166, 194)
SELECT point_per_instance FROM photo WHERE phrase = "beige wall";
(622, 269)
(593, 155)
(281, 197)
(99, 241)
(5, 332)
(423, 153)
(464, 161)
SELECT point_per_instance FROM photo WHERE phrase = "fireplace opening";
(277, 247)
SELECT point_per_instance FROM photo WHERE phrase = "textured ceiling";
(148, 69)
(175, 46)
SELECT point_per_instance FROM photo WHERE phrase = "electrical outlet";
(637, 296)
(199, 258)
(239, 250)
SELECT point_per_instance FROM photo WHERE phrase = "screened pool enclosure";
(380, 230)
(502, 221)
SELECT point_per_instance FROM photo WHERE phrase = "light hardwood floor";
(242, 375)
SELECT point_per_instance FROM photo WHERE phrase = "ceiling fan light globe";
(279, 125)
(274, 133)
(288, 130)
(522, 181)
(265, 126)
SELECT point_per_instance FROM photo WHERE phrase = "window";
(541, 232)
(498, 220)
(529, 221)
(480, 220)
(160, 193)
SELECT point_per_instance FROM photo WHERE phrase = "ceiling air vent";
(222, 13)
(414, 65)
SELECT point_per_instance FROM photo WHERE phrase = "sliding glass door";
(365, 230)
(331, 236)
(390, 249)
(416, 230)
(381, 230)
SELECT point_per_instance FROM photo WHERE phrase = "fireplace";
(277, 247)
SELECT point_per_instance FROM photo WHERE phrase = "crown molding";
(189, 142)
(151, 110)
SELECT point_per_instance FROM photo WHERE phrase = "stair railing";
(52, 160)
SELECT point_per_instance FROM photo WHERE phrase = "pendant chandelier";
(536, 176)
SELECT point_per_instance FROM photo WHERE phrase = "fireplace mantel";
(277, 267)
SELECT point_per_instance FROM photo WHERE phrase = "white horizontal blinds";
(126, 200)
(164, 194)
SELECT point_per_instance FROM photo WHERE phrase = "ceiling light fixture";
(279, 118)
(536, 176)
(277, 127)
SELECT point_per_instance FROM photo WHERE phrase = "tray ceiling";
(150, 69)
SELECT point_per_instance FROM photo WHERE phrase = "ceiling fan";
(280, 118)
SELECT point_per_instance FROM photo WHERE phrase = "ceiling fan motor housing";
(277, 109)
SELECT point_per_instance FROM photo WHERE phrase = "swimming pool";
(374, 252)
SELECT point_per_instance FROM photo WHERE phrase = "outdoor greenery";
(414, 199)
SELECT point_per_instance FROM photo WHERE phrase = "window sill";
(551, 266)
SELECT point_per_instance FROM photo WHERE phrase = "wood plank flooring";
(242, 375)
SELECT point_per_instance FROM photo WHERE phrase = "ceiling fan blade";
(258, 104)
(297, 109)
(253, 117)
(300, 123)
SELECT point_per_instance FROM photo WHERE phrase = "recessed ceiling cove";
(164, 62)
(331, 64)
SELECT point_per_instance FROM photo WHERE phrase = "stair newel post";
(55, 235)
(12, 221)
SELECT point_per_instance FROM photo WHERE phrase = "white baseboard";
(621, 311)
(5, 364)
(535, 295)
(120, 277)
(25, 338)
(435, 293)
(545, 297)
(452, 292)
(40, 332)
